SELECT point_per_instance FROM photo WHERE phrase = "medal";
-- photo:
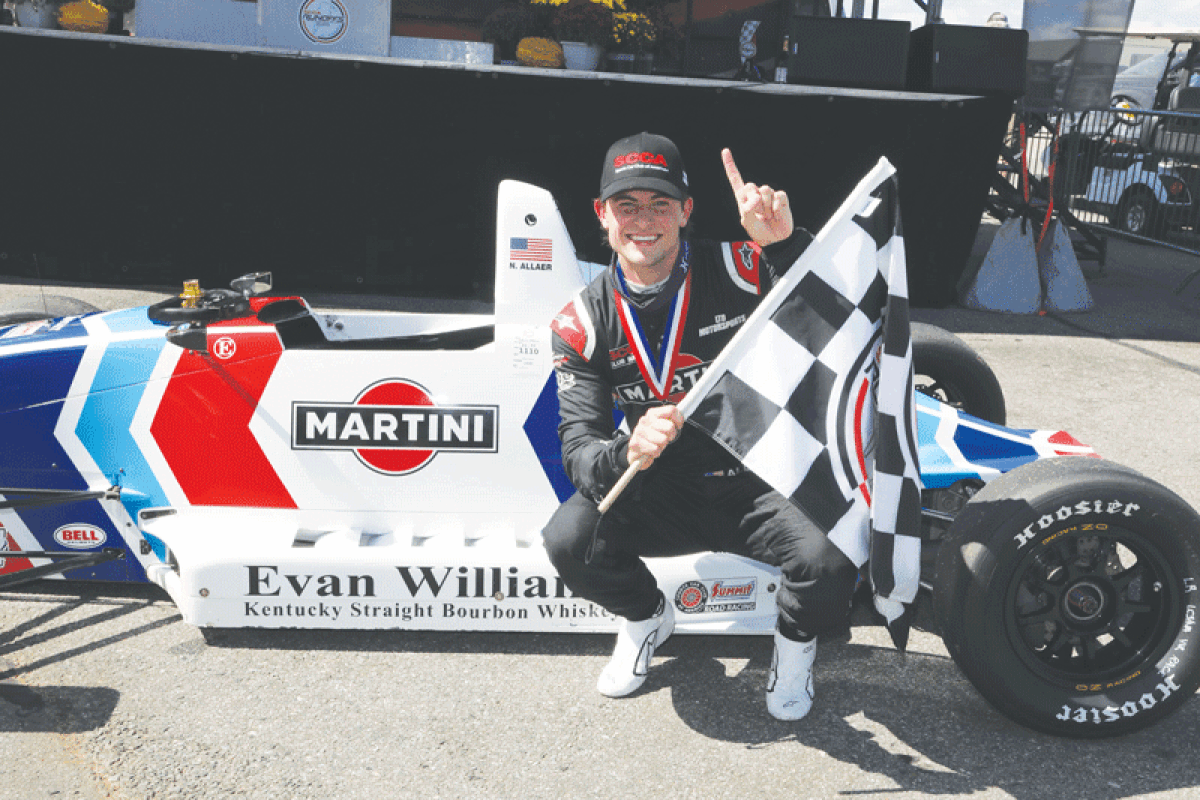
(658, 369)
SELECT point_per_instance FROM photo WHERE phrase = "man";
(638, 337)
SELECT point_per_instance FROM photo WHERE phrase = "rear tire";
(1066, 591)
(948, 369)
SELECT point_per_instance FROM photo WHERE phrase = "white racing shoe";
(790, 684)
(636, 642)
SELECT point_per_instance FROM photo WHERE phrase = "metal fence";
(1114, 170)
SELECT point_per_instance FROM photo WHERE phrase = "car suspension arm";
(63, 562)
(32, 498)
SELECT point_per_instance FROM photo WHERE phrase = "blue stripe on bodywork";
(33, 385)
(541, 426)
(998, 452)
(104, 426)
(129, 320)
(981, 443)
(938, 470)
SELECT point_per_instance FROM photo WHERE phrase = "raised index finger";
(731, 171)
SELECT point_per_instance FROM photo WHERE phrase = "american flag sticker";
(523, 249)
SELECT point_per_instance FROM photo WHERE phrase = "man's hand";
(765, 213)
(657, 428)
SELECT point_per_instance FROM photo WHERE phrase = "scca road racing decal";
(394, 427)
(715, 596)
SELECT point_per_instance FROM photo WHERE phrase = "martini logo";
(394, 427)
(80, 536)
(688, 370)
(323, 21)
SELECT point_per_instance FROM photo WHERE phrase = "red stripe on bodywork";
(202, 425)
(9, 564)
(1078, 448)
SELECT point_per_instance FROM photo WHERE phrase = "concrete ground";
(112, 696)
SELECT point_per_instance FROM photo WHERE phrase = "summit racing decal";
(715, 596)
(394, 427)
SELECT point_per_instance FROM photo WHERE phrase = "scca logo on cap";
(394, 427)
(632, 159)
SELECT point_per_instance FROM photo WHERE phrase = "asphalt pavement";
(111, 695)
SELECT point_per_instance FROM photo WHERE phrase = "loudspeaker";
(841, 51)
(965, 59)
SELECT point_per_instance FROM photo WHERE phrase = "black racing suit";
(695, 497)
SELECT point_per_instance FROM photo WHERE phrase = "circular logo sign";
(691, 597)
(323, 21)
(392, 461)
(80, 536)
(224, 348)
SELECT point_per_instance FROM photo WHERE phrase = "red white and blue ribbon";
(657, 365)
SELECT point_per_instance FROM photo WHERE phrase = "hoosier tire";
(1066, 591)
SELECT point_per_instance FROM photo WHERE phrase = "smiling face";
(643, 229)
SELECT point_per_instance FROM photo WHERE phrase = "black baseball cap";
(647, 162)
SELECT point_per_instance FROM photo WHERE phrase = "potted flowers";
(505, 27)
(632, 46)
(84, 16)
(583, 27)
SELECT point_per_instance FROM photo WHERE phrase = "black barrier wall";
(136, 163)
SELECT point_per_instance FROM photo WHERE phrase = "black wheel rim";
(943, 391)
(1086, 608)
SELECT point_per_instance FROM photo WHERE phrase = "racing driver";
(638, 337)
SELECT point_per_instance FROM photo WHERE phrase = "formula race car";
(272, 465)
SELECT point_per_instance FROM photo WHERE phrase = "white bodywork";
(455, 544)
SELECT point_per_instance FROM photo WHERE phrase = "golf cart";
(1141, 168)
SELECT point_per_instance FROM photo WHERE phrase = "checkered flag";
(815, 393)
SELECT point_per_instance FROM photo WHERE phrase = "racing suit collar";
(665, 293)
